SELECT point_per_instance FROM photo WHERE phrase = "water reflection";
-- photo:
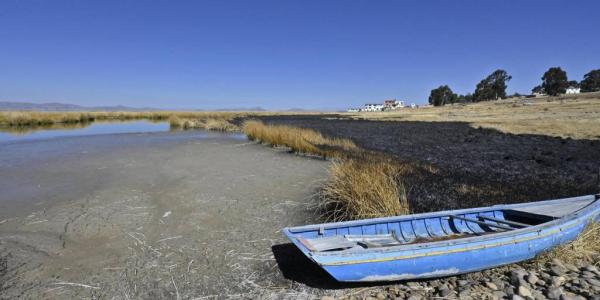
(79, 129)
(25, 130)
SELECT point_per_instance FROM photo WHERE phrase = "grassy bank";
(32, 119)
(575, 116)
(218, 123)
(361, 185)
(299, 140)
(29, 120)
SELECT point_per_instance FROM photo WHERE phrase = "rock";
(327, 298)
(380, 296)
(554, 293)
(517, 297)
(463, 282)
(588, 274)
(532, 278)
(571, 268)
(444, 291)
(434, 283)
(516, 276)
(593, 282)
(523, 291)
(492, 286)
(414, 297)
(558, 270)
(464, 293)
(591, 268)
(499, 283)
(499, 294)
(557, 262)
(558, 280)
(545, 276)
(566, 297)
(509, 291)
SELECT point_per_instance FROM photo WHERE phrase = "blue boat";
(443, 243)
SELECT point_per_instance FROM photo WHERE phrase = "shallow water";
(96, 128)
(148, 215)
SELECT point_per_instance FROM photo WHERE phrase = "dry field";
(574, 116)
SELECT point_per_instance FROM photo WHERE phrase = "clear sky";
(283, 54)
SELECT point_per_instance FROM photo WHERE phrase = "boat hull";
(446, 258)
(448, 261)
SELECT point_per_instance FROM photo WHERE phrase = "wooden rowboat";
(443, 243)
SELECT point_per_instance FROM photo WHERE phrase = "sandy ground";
(158, 215)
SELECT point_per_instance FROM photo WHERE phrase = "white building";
(413, 105)
(392, 104)
(353, 110)
(373, 107)
(573, 90)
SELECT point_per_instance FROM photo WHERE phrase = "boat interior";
(367, 235)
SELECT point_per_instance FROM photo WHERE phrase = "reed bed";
(359, 189)
(300, 140)
(208, 123)
(29, 120)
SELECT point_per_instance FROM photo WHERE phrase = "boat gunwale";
(595, 201)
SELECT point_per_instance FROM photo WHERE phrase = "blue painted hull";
(487, 247)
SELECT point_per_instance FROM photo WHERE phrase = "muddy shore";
(158, 215)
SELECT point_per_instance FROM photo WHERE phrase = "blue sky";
(283, 54)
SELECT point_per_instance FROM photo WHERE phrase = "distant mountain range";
(53, 106)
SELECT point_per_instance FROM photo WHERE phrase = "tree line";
(493, 87)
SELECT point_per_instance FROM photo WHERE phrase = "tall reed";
(299, 140)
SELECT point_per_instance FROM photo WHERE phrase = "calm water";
(96, 128)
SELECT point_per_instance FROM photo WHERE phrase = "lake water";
(95, 128)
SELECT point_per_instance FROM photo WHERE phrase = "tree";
(465, 98)
(573, 83)
(442, 95)
(492, 87)
(591, 81)
(555, 81)
(538, 89)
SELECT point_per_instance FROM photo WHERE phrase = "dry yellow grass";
(585, 248)
(359, 189)
(30, 118)
(299, 140)
(208, 123)
(574, 116)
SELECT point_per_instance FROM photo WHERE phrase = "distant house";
(353, 109)
(573, 90)
(413, 105)
(392, 104)
(373, 107)
(538, 94)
